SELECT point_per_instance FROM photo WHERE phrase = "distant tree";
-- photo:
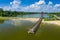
(1, 11)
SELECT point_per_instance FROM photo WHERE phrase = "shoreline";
(31, 19)
(36, 19)
(52, 22)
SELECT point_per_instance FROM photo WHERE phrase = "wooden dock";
(36, 26)
(58, 18)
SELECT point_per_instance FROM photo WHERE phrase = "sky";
(31, 5)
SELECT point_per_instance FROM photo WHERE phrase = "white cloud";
(0, 7)
(50, 2)
(36, 7)
(6, 8)
(40, 2)
(15, 4)
(57, 5)
(42, 6)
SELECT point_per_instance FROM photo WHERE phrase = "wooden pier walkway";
(36, 26)
(58, 18)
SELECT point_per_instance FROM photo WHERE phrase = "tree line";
(13, 13)
(16, 13)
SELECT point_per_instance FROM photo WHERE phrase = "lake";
(17, 30)
(33, 16)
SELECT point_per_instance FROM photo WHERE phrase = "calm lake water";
(17, 30)
(32, 16)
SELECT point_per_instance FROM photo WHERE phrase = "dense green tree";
(15, 13)
(1, 11)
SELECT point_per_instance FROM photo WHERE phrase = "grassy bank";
(49, 19)
(7, 18)
(33, 19)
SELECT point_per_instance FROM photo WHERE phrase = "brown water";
(17, 30)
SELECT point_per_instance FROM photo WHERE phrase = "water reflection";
(17, 30)
(21, 22)
(32, 16)
(15, 23)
